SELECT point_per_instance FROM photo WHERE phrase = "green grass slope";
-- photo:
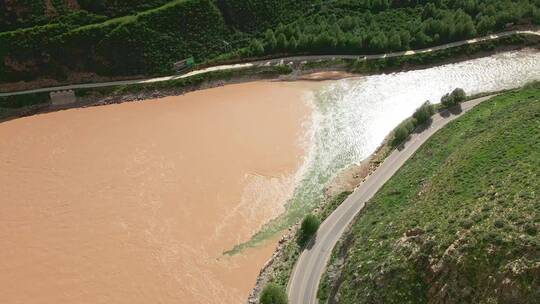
(459, 222)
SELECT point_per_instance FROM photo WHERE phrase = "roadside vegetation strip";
(461, 213)
(352, 63)
(188, 83)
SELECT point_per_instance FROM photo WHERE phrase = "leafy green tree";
(423, 114)
(305, 42)
(347, 23)
(421, 39)
(485, 25)
(282, 42)
(405, 38)
(536, 15)
(353, 44)
(270, 39)
(459, 94)
(256, 47)
(378, 42)
(464, 25)
(324, 41)
(447, 100)
(273, 294)
(429, 11)
(293, 44)
(308, 229)
(402, 132)
(452, 99)
(394, 42)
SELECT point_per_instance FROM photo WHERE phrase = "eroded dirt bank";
(135, 202)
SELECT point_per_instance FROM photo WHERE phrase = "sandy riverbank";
(135, 202)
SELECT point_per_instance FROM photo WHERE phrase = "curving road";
(284, 60)
(304, 281)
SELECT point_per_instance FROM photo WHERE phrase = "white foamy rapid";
(353, 116)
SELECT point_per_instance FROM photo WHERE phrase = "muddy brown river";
(136, 202)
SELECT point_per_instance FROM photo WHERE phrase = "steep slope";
(70, 40)
(459, 222)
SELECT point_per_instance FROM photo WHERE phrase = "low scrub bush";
(453, 99)
(423, 114)
(403, 131)
(273, 294)
(308, 229)
(19, 101)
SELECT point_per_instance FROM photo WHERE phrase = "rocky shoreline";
(347, 180)
(267, 270)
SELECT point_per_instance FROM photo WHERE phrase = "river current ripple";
(353, 116)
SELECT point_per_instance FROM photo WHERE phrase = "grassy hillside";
(60, 38)
(460, 221)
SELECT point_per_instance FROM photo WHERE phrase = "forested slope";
(459, 222)
(57, 38)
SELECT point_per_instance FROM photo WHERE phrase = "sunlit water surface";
(353, 116)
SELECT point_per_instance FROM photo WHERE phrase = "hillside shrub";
(308, 229)
(452, 99)
(402, 132)
(19, 101)
(273, 294)
(423, 114)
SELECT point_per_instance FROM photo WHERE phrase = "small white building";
(63, 97)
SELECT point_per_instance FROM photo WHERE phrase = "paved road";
(270, 62)
(304, 282)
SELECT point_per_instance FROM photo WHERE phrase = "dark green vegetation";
(146, 41)
(186, 84)
(308, 229)
(459, 222)
(423, 114)
(420, 117)
(19, 104)
(19, 101)
(128, 38)
(453, 99)
(402, 132)
(273, 294)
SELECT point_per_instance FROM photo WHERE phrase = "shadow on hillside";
(419, 129)
(307, 244)
(311, 242)
(455, 110)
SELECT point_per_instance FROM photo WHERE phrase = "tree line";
(149, 36)
(392, 29)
